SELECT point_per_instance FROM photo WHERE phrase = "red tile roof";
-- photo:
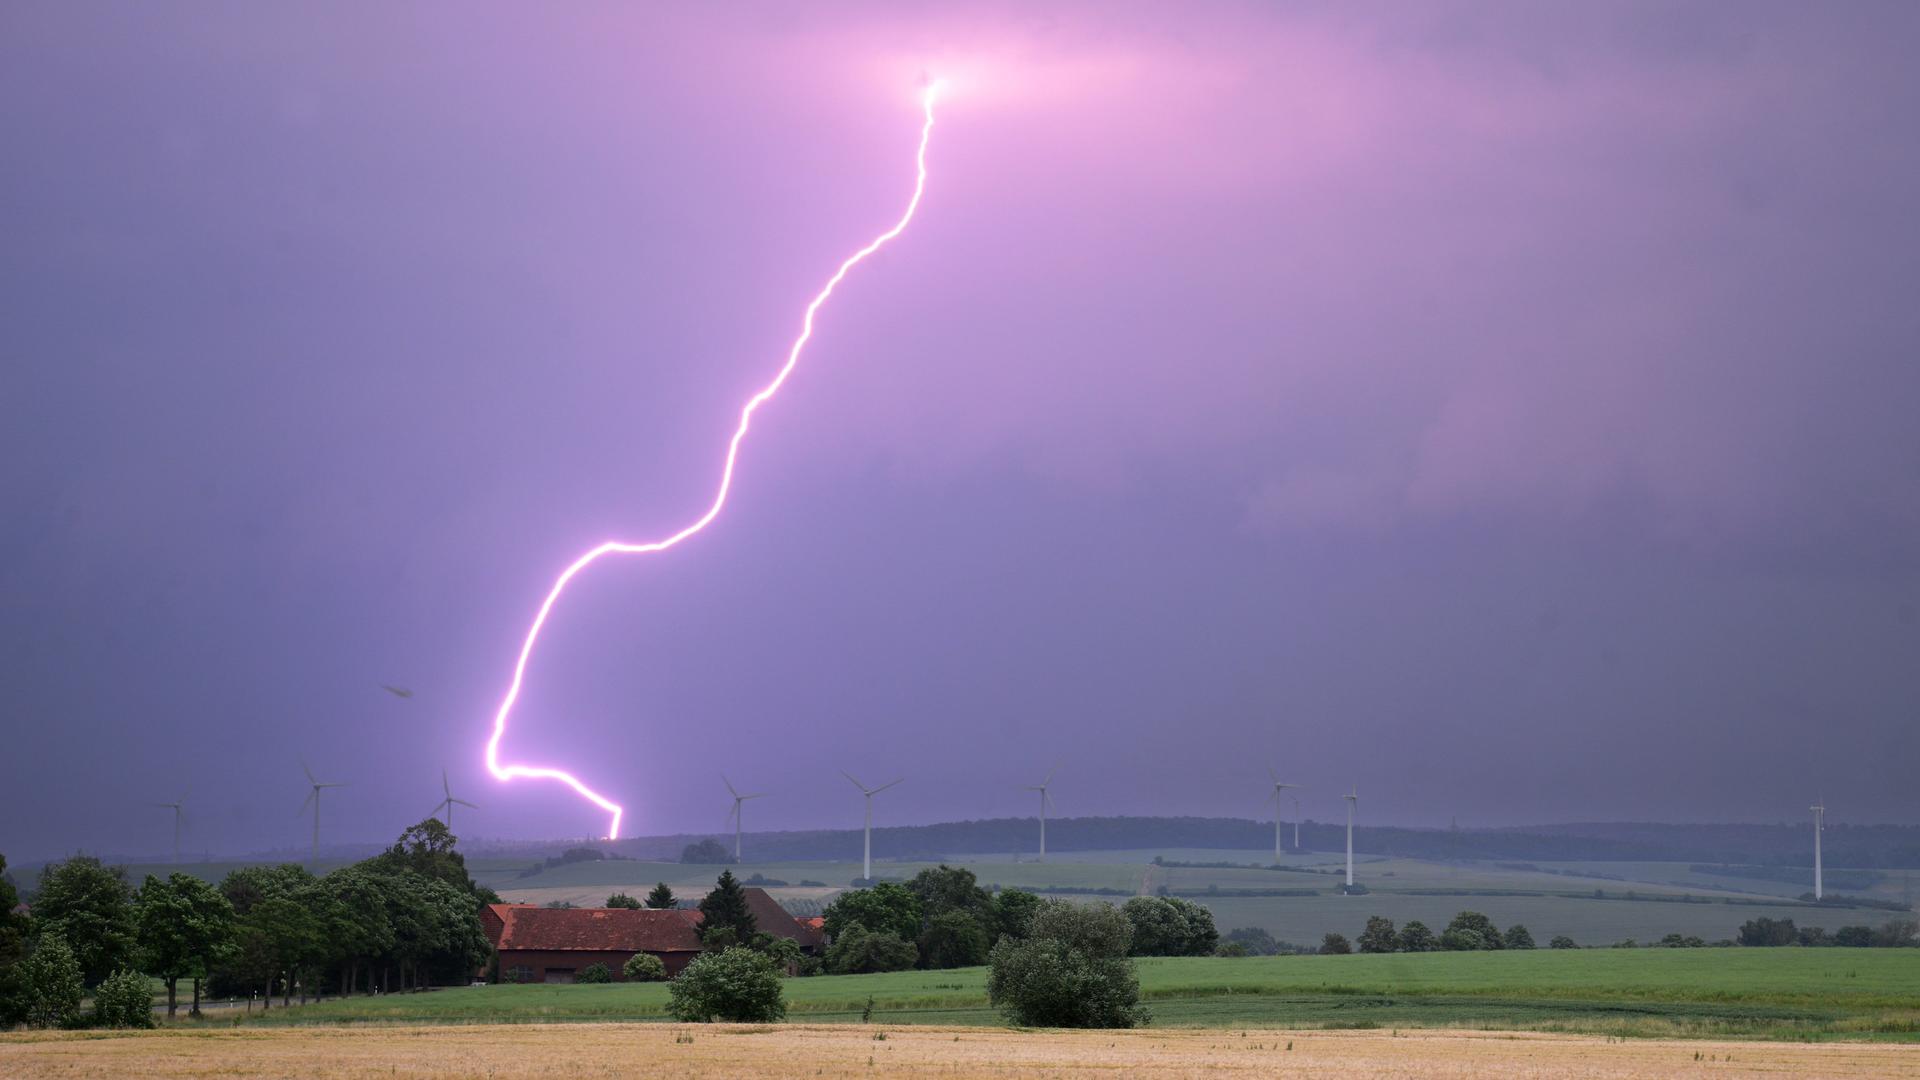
(769, 917)
(524, 926)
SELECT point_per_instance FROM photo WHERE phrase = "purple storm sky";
(1508, 408)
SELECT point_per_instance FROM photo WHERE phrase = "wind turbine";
(734, 814)
(1352, 798)
(313, 797)
(449, 802)
(866, 859)
(1280, 786)
(1295, 799)
(179, 814)
(1819, 822)
(1045, 800)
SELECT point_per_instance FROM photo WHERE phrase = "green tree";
(1071, 970)
(1471, 931)
(1562, 941)
(859, 951)
(1853, 937)
(622, 900)
(54, 984)
(1335, 945)
(947, 888)
(594, 973)
(184, 927)
(1170, 926)
(1256, 940)
(735, 985)
(885, 908)
(13, 953)
(725, 909)
(1379, 936)
(1012, 912)
(661, 898)
(1415, 937)
(275, 940)
(644, 967)
(1518, 937)
(954, 939)
(1897, 934)
(359, 929)
(123, 1000)
(91, 907)
(1768, 932)
(706, 851)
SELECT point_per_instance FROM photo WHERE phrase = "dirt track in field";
(589, 1050)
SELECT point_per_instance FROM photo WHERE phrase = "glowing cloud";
(616, 547)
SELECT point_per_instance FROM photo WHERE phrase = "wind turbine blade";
(311, 794)
(884, 787)
(1050, 772)
(731, 814)
(755, 795)
(1272, 797)
(445, 789)
(463, 802)
(1274, 775)
(729, 783)
(1046, 797)
(854, 782)
(304, 769)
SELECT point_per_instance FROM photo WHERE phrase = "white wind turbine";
(449, 802)
(313, 799)
(1352, 799)
(866, 859)
(734, 814)
(1295, 799)
(1279, 787)
(1045, 801)
(179, 815)
(1819, 822)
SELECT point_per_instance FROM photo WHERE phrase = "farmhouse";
(553, 945)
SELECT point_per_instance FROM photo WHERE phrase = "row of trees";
(1470, 931)
(942, 918)
(404, 918)
(1894, 934)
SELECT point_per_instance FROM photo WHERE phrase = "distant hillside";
(1877, 847)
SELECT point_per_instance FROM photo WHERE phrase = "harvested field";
(859, 1050)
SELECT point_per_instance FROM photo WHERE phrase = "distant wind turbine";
(734, 814)
(1295, 799)
(1352, 799)
(1280, 786)
(449, 802)
(1045, 801)
(1819, 822)
(179, 814)
(866, 858)
(313, 799)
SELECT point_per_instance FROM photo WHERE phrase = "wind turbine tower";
(179, 812)
(313, 798)
(1279, 787)
(1045, 800)
(1819, 822)
(1296, 821)
(866, 856)
(734, 814)
(449, 802)
(1352, 798)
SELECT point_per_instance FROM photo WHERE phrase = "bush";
(123, 999)
(1254, 939)
(53, 986)
(594, 973)
(1335, 945)
(644, 967)
(1379, 936)
(1415, 937)
(1562, 941)
(860, 951)
(1519, 937)
(737, 985)
(1471, 931)
(1071, 970)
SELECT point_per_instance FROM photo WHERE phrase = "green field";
(1746, 993)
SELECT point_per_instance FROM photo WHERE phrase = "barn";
(553, 945)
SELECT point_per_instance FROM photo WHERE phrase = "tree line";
(405, 918)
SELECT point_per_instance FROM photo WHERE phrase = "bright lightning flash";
(616, 547)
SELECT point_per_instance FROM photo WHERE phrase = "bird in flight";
(397, 691)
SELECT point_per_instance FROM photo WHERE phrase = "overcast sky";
(1509, 409)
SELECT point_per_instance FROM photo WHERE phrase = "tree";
(1379, 936)
(123, 1000)
(91, 907)
(644, 967)
(276, 938)
(594, 973)
(54, 984)
(1853, 937)
(1562, 941)
(359, 928)
(661, 898)
(1231, 949)
(725, 909)
(1071, 970)
(1471, 931)
(428, 849)
(184, 927)
(1897, 934)
(1415, 937)
(946, 888)
(1768, 932)
(622, 900)
(954, 939)
(1255, 940)
(736, 985)
(1518, 937)
(706, 851)
(13, 953)
(860, 951)
(884, 908)
(1170, 926)
(1012, 912)
(1335, 945)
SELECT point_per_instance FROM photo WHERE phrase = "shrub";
(644, 967)
(737, 985)
(1335, 945)
(622, 900)
(1379, 936)
(859, 951)
(1519, 937)
(1471, 931)
(123, 999)
(1233, 949)
(1415, 937)
(1070, 971)
(594, 973)
(1255, 939)
(1562, 941)
(53, 986)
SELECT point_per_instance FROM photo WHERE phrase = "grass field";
(552, 1050)
(1746, 993)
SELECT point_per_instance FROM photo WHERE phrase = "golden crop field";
(590, 1050)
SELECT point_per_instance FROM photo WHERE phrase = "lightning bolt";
(617, 547)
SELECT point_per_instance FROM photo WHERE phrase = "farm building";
(553, 945)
